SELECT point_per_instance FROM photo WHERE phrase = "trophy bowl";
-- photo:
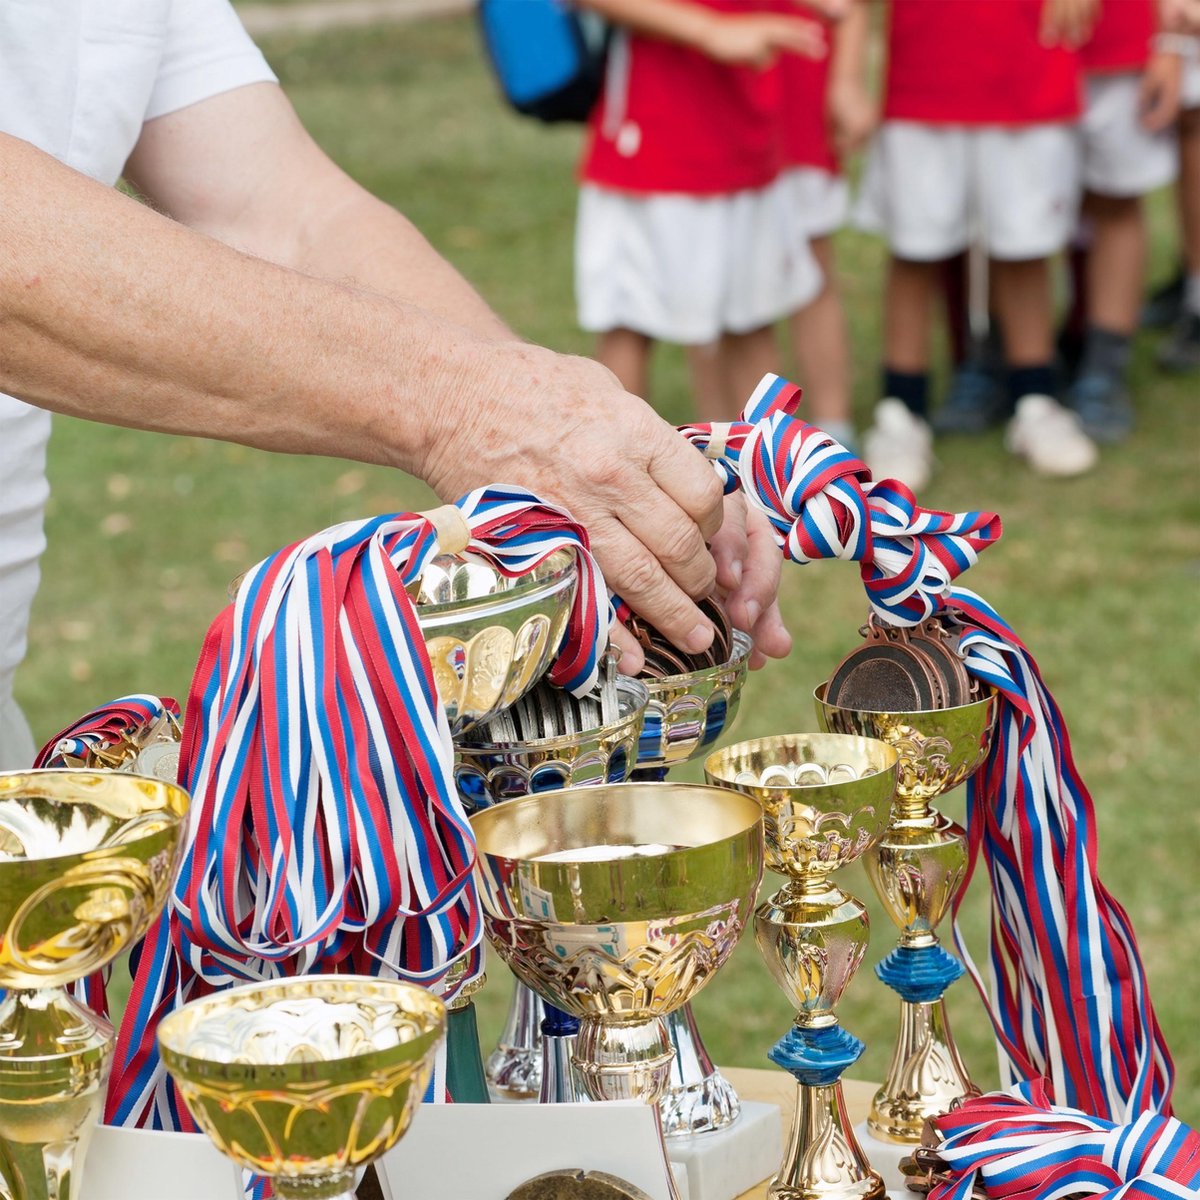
(827, 799)
(86, 862)
(917, 869)
(617, 904)
(488, 772)
(491, 638)
(305, 1080)
(687, 713)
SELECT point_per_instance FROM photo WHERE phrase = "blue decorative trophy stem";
(826, 798)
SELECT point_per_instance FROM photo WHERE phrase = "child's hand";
(1180, 16)
(835, 10)
(1158, 95)
(852, 116)
(757, 39)
(1068, 22)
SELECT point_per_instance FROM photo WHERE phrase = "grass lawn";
(1100, 576)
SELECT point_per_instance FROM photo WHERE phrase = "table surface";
(778, 1087)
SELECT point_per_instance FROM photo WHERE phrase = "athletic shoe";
(974, 403)
(1181, 351)
(1164, 306)
(899, 445)
(1103, 405)
(1049, 438)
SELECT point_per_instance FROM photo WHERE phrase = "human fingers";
(729, 546)
(771, 638)
(632, 659)
(1158, 96)
(638, 577)
(798, 36)
(760, 576)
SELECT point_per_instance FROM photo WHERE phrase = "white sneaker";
(899, 445)
(1050, 438)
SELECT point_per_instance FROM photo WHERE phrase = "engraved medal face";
(160, 760)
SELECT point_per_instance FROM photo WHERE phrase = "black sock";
(909, 387)
(1105, 352)
(1028, 381)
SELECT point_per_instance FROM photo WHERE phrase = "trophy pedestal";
(724, 1163)
(885, 1158)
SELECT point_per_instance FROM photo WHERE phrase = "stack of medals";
(904, 670)
(664, 660)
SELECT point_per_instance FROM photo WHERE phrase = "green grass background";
(1100, 576)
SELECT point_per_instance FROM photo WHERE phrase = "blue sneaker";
(974, 404)
(1103, 405)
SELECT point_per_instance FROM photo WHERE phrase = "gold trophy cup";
(617, 904)
(917, 869)
(86, 861)
(305, 1080)
(826, 800)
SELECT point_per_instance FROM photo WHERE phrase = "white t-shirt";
(78, 79)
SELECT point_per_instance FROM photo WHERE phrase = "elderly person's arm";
(113, 312)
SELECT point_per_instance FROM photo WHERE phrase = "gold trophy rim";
(556, 571)
(175, 814)
(510, 811)
(174, 1029)
(989, 698)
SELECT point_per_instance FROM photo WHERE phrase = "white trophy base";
(724, 1164)
(885, 1158)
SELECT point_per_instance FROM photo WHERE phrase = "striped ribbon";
(117, 721)
(326, 834)
(1021, 1147)
(1068, 993)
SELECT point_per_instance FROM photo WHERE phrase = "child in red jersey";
(1128, 151)
(827, 115)
(978, 142)
(683, 231)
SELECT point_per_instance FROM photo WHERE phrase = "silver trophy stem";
(560, 1080)
(700, 1099)
(514, 1068)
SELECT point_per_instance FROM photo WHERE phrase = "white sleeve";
(207, 52)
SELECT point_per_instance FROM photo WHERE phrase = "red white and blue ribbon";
(106, 726)
(1069, 997)
(326, 833)
(1021, 1147)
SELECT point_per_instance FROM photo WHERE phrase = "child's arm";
(850, 108)
(752, 38)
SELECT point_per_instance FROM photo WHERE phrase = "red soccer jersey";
(976, 62)
(673, 120)
(1122, 37)
(804, 125)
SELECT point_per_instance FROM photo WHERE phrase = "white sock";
(1191, 294)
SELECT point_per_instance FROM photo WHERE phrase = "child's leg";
(822, 350)
(1042, 431)
(1181, 352)
(899, 445)
(626, 354)
(725, 373)
(1113, 283)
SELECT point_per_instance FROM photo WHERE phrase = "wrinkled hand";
(756, 39)
(748, 567)
(1068, 22)
(565, 428)
(1159, 92)
(852, 116)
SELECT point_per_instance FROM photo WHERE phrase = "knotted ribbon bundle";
(326, 834)
(1068, 993)
(1020, 1147)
